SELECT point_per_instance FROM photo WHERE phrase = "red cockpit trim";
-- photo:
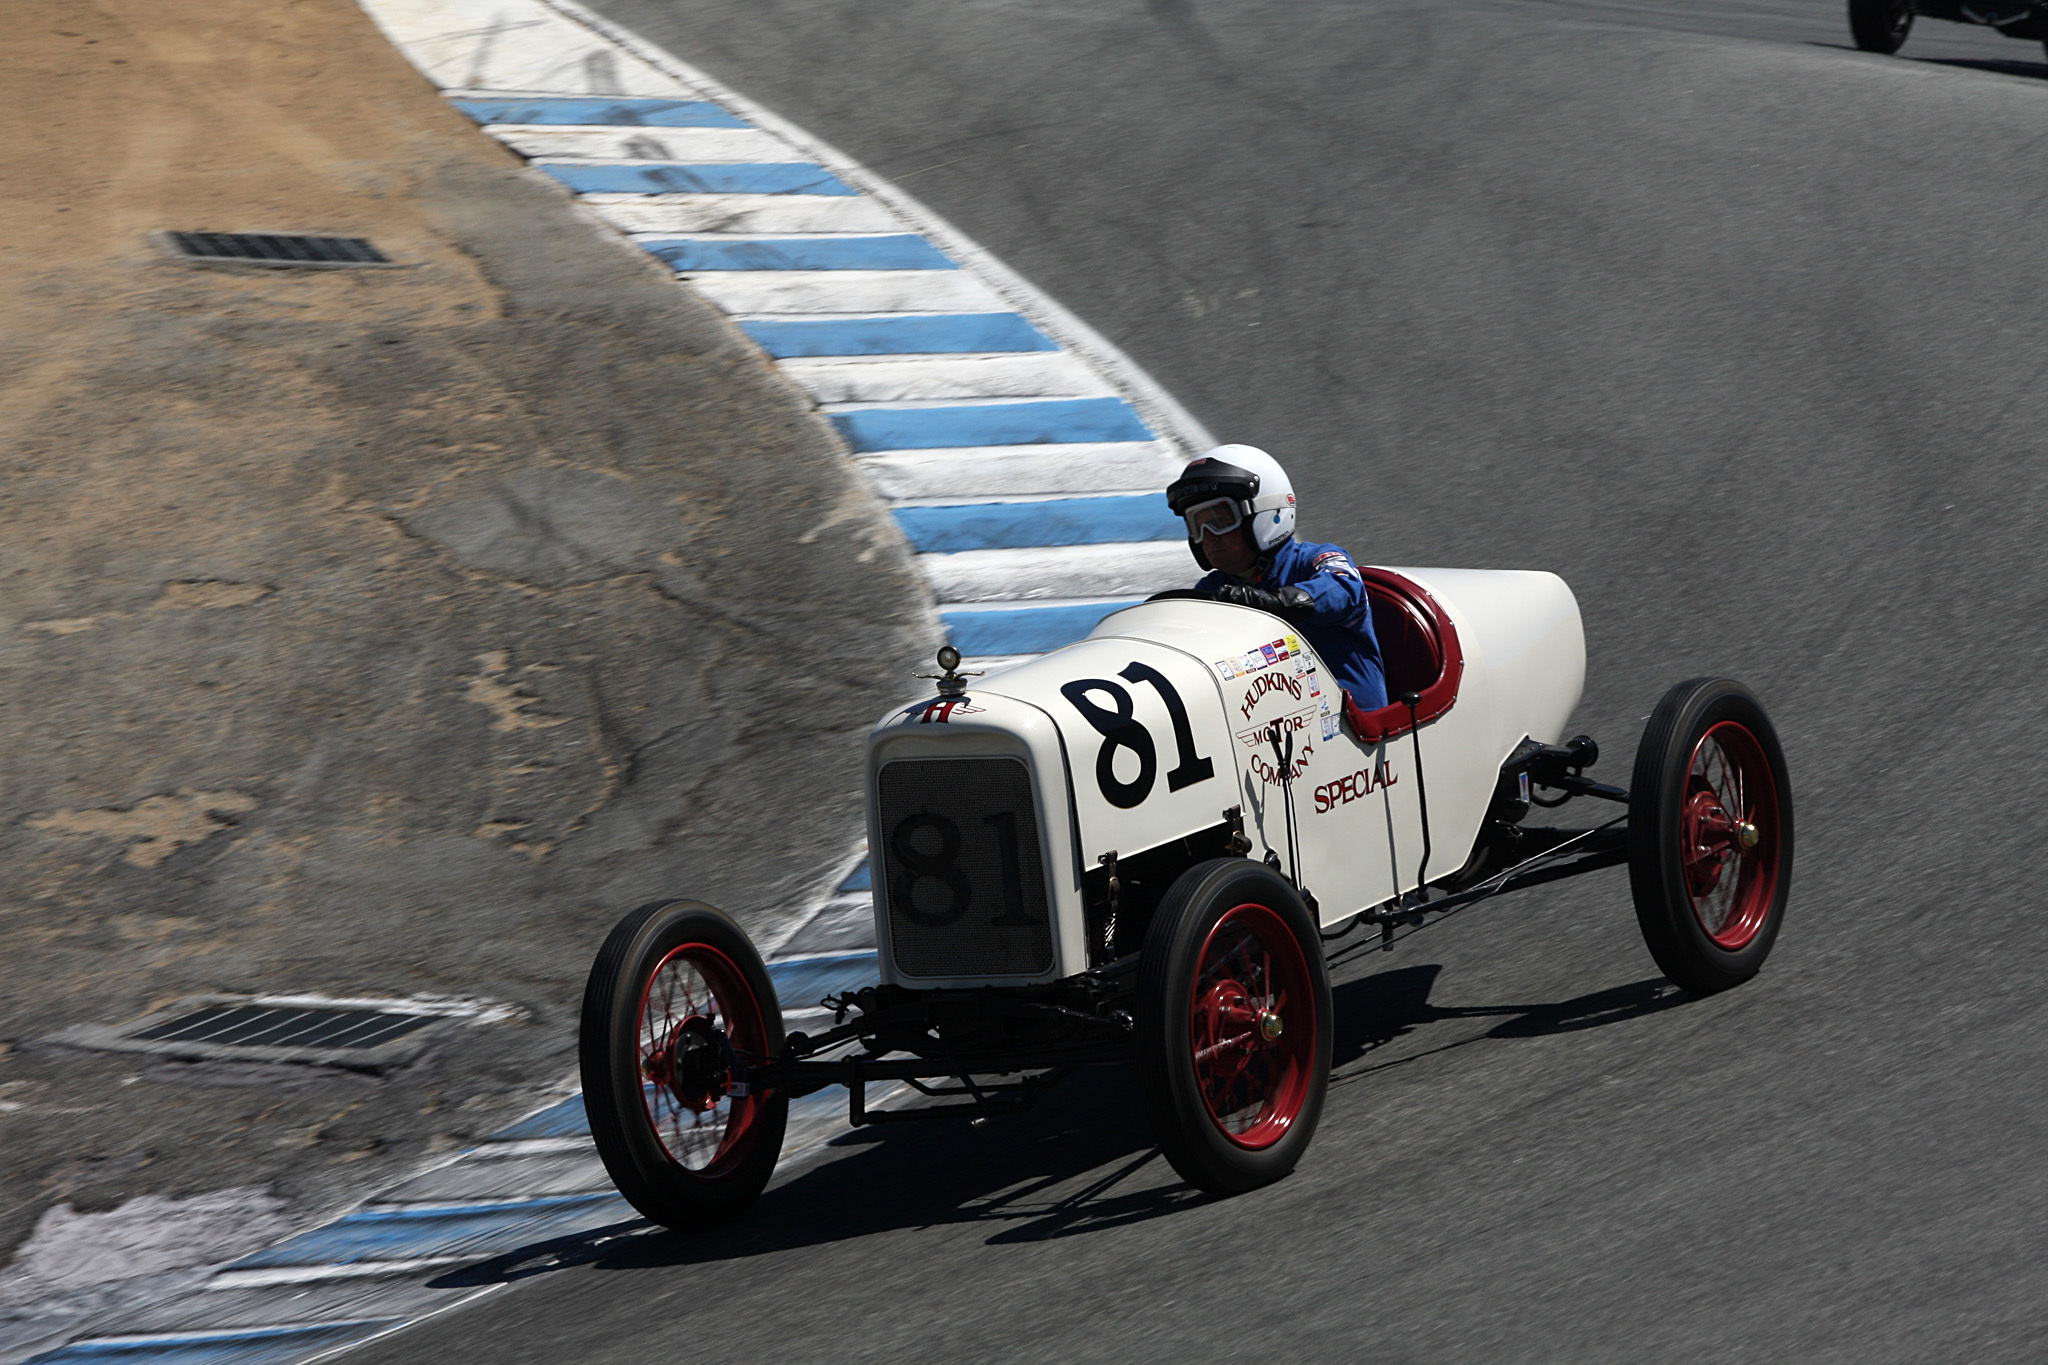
(1391, 720)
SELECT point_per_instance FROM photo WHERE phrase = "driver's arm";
(1333, 593)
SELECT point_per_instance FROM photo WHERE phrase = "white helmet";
(1247, 476)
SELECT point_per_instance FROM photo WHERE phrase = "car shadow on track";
(1082, 1161)
(1998, 66)
(2032, 71)
(1374, 1011)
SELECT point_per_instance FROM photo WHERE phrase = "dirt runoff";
(371, 633)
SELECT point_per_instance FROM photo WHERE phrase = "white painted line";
(532, 1146)
(1082, 467)
(867, 379)
(689, 145)
(517, 45)
(1036, 576)
(744, 292)
(315, 1274)
(665, 215)
(912, 405)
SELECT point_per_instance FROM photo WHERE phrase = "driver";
(1239, 507)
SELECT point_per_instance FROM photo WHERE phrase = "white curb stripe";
(872, 379)
(764, 292)
(669, 215)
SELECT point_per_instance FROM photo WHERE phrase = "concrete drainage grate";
(282, 1026)
(287, 249)
(359, 1035)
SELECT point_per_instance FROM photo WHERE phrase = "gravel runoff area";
(367, 633)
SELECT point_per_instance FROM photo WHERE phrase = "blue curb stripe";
(442, 1230)
(592, 112)
(562, 1120)
(735, 177)
(902, 251)
(856, 880)
(1023, 630)
(899, 335)
(1039, 422)
(1049, 521)
(248, 1346)
(800, 984)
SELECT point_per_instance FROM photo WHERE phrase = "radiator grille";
(965, 884)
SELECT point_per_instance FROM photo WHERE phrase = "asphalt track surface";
(1739, 331)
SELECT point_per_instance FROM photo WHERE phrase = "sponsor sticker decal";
(1271, 657)
(1230, 668)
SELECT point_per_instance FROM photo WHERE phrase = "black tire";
(1283, 1075)
(1880, 25)
(713, 1008)
(1710, 851)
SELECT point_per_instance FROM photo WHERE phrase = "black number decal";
(1013, 872)
(1192, 767)
(1119, 730)
(938, 867)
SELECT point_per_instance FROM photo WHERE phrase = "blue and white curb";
(412, 1251)
(1022, 455)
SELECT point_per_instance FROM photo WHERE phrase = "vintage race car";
(1882, 25)
(1146, 847)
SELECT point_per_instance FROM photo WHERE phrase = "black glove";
(1291, 602)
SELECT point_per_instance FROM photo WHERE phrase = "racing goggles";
(1216, 517)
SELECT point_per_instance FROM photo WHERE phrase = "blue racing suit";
(1341, 627)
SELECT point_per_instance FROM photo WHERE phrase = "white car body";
(1067, 718)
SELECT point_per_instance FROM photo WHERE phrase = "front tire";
(1880, 26)
(1234, 1026)
(1710, 835)
(678, 1004)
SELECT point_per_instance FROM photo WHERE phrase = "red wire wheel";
(1233, 1026)
(1252, 1026)
(1730, 833)
(697, 1020)
(1710, 834)
(677, 1012)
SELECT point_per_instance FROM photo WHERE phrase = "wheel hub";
(694, 1064)
(1711, 839)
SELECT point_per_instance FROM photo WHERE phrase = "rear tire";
(1233, 1028)
(678, 1002)
(1710, 835)
(1880, 26)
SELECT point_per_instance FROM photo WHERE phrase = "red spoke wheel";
(1233, 1031)
(1710, 835)
(677, 1010)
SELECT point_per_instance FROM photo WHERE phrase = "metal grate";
(355, 1034)
(273, 1026)
(964, 879)
(273, 249)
